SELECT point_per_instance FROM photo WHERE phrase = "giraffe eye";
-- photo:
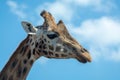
(28, 24)
(52, 36)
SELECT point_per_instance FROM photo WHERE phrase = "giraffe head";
(54, 41)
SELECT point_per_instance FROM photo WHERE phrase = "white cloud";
(105, 29)
(102, 37)
(17, 9)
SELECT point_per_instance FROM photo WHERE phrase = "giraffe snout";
(82, 55)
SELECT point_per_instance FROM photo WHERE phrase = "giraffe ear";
(28, 27)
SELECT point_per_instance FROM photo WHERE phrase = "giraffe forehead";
(43, 30)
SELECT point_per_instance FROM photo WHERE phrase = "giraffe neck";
(19, 64)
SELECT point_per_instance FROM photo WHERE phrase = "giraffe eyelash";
(52, 36)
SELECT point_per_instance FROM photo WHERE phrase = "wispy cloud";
(102, 37)
(96, 5)
(17, 9)
(115, 55)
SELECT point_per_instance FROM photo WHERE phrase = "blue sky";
(94, 23)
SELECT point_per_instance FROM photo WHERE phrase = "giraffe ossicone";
(50, 39)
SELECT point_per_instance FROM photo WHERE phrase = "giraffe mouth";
(81, 54)
(84, 56)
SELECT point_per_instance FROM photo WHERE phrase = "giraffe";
(50, 40)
